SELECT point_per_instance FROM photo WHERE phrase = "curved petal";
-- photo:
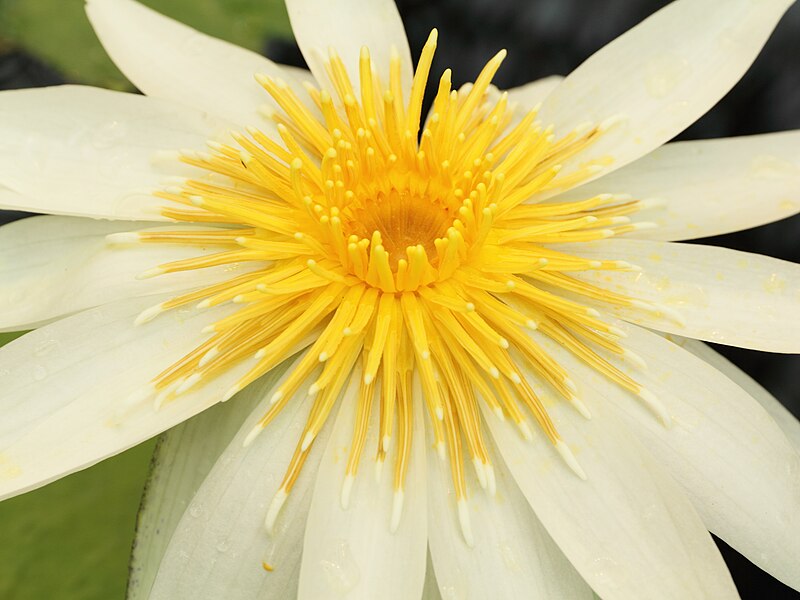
(54, 266)
(220, 547)
(660, 76)
(181, 462)
(167, 59)
(347, 26)
(629, 529)
(718, 295)
(709, 187)
(11, 200)
(737, 467)
(788, 423)
(512, 555)
(351, 551)
(64, 387)
(85, 151)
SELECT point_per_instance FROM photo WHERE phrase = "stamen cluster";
(393, 252)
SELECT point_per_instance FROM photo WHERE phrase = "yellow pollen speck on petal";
(405, 261)
(8, 469)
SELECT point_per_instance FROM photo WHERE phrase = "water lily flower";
(459, 350)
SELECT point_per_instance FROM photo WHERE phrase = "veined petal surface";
(661, 76)
(709, 187)
(221, 548)
(512, 555)
(736, 465)
(788, 423)
(67, 386)
(352, 552)
(629, 529)
(52, 266)
(84, 151)
(347, 26)
(167, 59)
(716, 294)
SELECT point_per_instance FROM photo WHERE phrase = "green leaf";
(7, 337)
(71, 539)
(58, 32)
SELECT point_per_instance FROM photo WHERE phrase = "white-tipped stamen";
(569, 459)
(397, 510)
(347, 489)
(465, 522)
(655, 405)
(525, 430)
(149, 273)
(480, 472)
(441, 450)
(492, 480)
(578, 404)
(123, 238)
(308, 439)
(274, 510)
(254, 433)
(188, 383)
(209, 356)
(634, 359)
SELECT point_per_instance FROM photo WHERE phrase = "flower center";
(400, 222)
(388, 257)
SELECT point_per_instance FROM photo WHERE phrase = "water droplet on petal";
(341, 570)
(664, 74)
(39, 372)
(46, 347)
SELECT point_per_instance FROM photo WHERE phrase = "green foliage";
(58, 32)
(71, 540)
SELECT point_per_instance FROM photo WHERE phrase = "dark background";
(546, 37)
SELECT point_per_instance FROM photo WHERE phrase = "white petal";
(782, 417)
(347, 26)
(11, 200)
(352, 552)
(531, 94)
(661, 76)
(64, 389)
(628, 529)
(718, 295)
(709, 187)
(182, 460)
(54, 266)
(221, 544)
(738, 469)
(167, 59)
(89, 152)
(512, 555)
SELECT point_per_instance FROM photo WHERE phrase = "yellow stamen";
(402, 258)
